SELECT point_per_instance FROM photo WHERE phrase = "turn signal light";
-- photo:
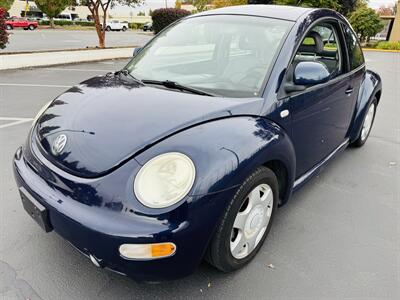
(147, 251)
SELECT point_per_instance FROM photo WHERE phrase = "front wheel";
(124, 28)
(108, 28)
(9, 27)
(367, 125)
(246, 222)
(31, 27)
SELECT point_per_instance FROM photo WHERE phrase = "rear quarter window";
(354, 49)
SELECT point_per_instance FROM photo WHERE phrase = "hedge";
(66, 22)
(388, 45)
(135, 25)
(3, 32)
(162, 17)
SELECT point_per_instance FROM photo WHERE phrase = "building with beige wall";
(81, 12)
(395, 32)
(19, 9)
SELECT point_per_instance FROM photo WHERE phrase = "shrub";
(67, 22)
(388, 45)
(43, 22)
(135, 25)
(83, 23)
(3, 32)
(62, 22)
(163, 17)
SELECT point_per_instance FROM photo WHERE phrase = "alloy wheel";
(251, 221)
(368, 122)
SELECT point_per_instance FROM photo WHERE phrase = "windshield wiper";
(174, 85)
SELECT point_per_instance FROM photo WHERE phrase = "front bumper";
(99, 229)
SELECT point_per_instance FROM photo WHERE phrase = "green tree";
(201, 5)
(99, 9)
(223, 3)
(333, 4)
(6, 4)
(366, 23)
(52, 8)
(345, 7)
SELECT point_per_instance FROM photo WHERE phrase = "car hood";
(109, 119)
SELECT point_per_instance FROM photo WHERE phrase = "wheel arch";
(370, 88)
(282, 174)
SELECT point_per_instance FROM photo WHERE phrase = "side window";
(321, 44)
(353, 47)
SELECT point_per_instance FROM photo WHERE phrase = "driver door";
(320, 113)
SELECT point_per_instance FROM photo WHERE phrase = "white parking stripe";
(79, 70)
(19, 121)
(15, 119)
(36, 85)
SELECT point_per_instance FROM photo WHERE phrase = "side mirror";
(136, 51)
(310, 73)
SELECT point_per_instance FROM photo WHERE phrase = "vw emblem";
(59, 144)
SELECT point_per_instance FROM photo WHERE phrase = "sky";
(154, 4)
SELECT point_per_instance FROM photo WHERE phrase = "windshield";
(222, 54)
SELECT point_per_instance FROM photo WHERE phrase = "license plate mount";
(36, 210)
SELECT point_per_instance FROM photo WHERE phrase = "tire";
(124, 28)
(31, 27)
(368, 119)
(222, 252)
(9, 27)
(108, 28)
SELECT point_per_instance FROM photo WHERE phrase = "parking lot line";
(35, 85)
(16, 121)
(78, 70)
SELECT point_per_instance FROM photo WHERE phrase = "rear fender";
(370, 86)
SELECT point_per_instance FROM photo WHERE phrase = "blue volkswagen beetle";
(187, 152)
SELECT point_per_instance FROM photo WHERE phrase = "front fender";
(370, 86)
(227, 150)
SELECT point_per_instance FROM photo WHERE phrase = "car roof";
(291, 13)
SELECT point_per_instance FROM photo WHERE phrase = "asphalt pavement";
(338, 237)
(57, 39)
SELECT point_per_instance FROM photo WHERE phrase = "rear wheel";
(367, 125)
(31, 27)
(124, 28)
(9, 27)
(108, 28)
(246, 222)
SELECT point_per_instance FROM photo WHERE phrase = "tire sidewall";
(227, 259)
(9, 27)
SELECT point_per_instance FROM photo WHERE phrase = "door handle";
(349, 91)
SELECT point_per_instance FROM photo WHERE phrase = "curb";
(381, 50)
(40, 59)
(67, 50)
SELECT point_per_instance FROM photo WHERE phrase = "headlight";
(164, 180)
(41, 111)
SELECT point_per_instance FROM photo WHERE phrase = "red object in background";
(15, 22)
